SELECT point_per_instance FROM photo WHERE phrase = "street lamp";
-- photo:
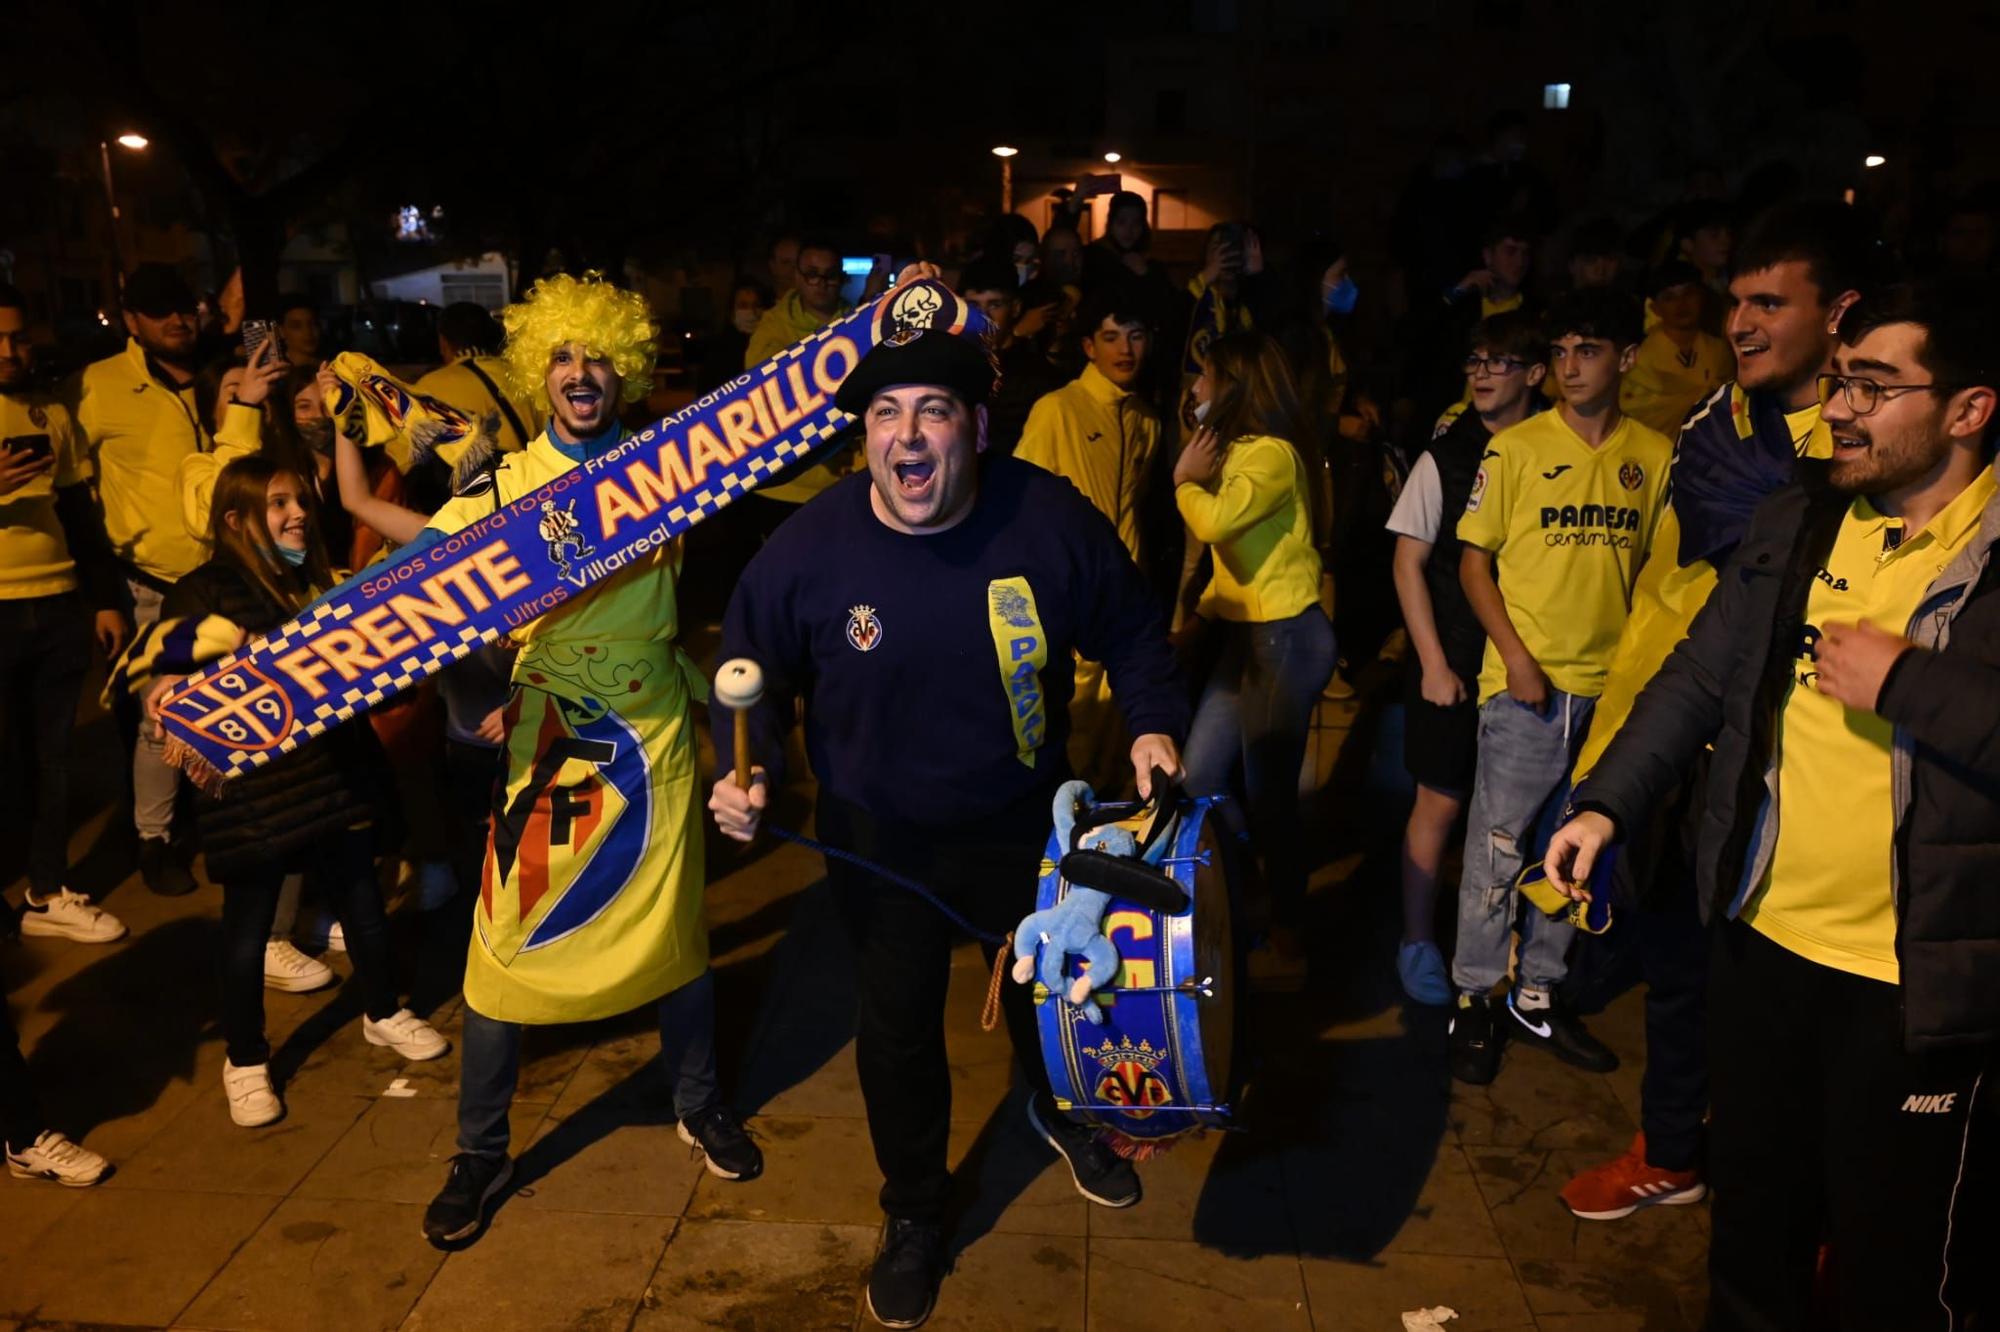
(1006, 156)
(1114, 157)
(132, 143)
(1874, 160)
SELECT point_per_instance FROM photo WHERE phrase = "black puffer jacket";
(324, 786)
(1725, 683)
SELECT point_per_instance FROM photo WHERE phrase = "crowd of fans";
(1526, 483)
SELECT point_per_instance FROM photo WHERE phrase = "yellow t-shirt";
(34, 555)
(1826, 896)
(1569, 526)
(1666, 598)
(1666, 381)
(1258, 520)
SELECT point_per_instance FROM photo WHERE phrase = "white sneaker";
(407, 1034)
(253, 1102)
(70, 915)
(336, 938)
(52, 1156)
(287, 969)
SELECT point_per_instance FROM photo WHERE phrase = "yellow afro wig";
(607, 320)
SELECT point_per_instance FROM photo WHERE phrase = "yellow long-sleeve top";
(1102, 440)
(138, 427)
(242, 434)
(1258, 520)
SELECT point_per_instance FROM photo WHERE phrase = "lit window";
(1555, 97)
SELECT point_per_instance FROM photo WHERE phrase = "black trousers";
(343, 864)
(20, 1113)
(44, 653)
(1825, 1130)
(1673, 957)
(902, 956)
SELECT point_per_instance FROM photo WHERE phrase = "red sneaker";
(1621, 1187)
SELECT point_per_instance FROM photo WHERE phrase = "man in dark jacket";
(1845, 673)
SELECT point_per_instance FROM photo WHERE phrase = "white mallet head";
(739, 684)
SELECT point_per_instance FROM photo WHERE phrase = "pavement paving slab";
(1167, 1285)
(537, 1268)
(760, 1276)
(322, 1265)
(1025, 1283)
(617, 1155)
(399, 1149)
(1375, 1294)
(202, 1151)
(135, 1257)
(817, 1170)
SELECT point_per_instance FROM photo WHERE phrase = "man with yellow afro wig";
(590, 897)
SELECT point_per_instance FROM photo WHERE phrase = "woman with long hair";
(314, 809)
(1244, 487)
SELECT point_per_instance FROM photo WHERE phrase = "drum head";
(1215, 955)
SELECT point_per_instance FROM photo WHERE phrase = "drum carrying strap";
(989, 1016)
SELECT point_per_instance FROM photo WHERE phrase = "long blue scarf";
(379, 634)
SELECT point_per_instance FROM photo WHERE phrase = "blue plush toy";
(1072, 925)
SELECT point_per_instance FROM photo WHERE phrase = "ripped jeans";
(1519, 785)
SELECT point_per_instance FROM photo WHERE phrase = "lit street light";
(1874, 160)
(132, 143)
(1006, 156)
(1114, 157)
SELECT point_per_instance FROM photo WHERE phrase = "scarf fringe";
(207, 778)
(1144, 1149)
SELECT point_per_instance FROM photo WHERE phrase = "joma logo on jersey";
(1609, 517)
(1937, 1104)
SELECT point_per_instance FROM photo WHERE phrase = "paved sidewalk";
(1365, 1184)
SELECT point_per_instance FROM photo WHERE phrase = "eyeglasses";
(1493, 365)
(1863, 396)
(821, 278)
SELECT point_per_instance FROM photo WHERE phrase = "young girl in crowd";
(313, 809)
(1243, 487)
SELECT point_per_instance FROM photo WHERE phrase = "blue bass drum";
(1159, 1064)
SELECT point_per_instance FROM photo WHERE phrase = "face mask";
(295, 558)
(1341, 296)
(317, 435)
(1201, 411)
(746, 321)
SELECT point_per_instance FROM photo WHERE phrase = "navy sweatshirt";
(936, 670)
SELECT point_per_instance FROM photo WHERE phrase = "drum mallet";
(739, 686)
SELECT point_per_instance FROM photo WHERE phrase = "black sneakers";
(1562, 1035)
(903, 1287)
(1475, 1042)
(460, 1207)
(726, 1149)
(1101, 1175)
(164, 866)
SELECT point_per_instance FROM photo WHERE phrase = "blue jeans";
(1254, 719)
(490, 1064)
(1523, 773)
